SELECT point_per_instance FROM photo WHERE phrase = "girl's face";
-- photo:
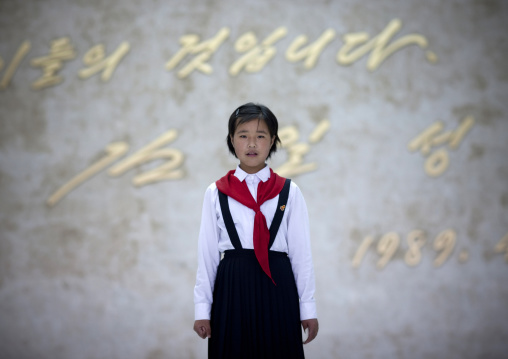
(252, 143)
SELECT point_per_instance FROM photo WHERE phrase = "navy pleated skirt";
(251, 317)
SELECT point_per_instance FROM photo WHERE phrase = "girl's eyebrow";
(244, 131)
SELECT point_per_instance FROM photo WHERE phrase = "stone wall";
(395, 121)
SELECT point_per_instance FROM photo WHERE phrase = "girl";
(252, 302)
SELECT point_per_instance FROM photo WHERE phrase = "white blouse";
(293, 238)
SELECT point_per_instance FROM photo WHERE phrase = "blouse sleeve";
(208, 256)
(299, 252)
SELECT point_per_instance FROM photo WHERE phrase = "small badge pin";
(282, 208)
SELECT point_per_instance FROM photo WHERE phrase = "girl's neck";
(251, 170)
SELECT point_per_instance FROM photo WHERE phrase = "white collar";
(263, 174)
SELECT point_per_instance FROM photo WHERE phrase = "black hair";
(253, 111)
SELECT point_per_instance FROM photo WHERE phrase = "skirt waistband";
(250, 253)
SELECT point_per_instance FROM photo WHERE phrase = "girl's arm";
(208, 256)
(299, 252)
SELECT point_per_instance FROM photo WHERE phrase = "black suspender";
(274, 227)
(279, 212)
(228, 221)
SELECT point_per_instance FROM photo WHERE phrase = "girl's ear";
(273, 140)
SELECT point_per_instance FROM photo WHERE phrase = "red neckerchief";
(231, 186)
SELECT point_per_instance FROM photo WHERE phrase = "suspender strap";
(228, 221)
(274, 227)
(279, 212)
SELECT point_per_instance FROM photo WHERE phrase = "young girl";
(252, 302)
